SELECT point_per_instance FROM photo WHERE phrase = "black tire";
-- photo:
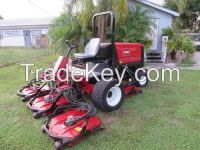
(43, 129)
(58, 145)
(143, 75)
(36, 115)
(100, 95)
(25, 99)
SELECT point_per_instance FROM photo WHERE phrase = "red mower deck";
(71, 134)
(45, 105)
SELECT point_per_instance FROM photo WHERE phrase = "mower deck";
(29, 92)
(45, 105)
(69, 135)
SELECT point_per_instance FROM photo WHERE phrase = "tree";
(120, 7)
(137, 27)
(1, 17)
(189, 13)
(75, 23)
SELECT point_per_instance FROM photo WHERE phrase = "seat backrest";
(105, 51)
(92, 47)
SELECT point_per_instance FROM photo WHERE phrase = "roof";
(159, 7)
(25, 22)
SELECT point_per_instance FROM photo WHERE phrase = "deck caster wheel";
(143, 79)
(58, 145)
(102, 127)
(36, 115)
(24, 99)
(43, 129)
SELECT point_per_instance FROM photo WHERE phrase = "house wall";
(165, 20)
(15, 37)
(12, 38)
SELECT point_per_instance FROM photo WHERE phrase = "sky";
(18, 9)
(15, 9)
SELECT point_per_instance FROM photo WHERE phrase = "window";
(8, 33)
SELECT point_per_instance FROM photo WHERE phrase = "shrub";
(168, 32)
(178, 42)
(187, 45)
(136, 27)
(181, 42)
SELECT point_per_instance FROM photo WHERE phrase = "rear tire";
(108, 96)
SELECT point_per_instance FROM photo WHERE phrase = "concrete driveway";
(196, 58)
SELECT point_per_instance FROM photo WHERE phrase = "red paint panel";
(129, 52)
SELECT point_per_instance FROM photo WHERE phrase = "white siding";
(12, 40)
(17, 38)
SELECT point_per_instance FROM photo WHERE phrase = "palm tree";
(75, 23)
(120, 7)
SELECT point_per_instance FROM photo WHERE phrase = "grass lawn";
(186, 63)
(166, 116)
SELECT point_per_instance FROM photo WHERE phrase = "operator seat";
(91, 49)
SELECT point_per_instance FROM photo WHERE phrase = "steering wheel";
(71, 45)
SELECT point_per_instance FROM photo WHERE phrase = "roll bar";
(112, 23)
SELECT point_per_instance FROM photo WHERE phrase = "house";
(163, 18)
(24, 32)
(27, 32)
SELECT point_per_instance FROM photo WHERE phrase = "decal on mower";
(78, 129)
(126, 52)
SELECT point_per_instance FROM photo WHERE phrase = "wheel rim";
(114, 96)
(143, 80)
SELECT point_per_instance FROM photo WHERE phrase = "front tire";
(108, 96)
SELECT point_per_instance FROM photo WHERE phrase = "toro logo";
(126, 52)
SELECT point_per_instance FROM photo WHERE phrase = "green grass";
(166, 116)
(9, 56)
(187, 63)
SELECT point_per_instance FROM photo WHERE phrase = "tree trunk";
(168, 58)
(101, 27)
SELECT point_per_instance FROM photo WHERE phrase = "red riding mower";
(69, 118)
(110, 55)
(68, 124)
